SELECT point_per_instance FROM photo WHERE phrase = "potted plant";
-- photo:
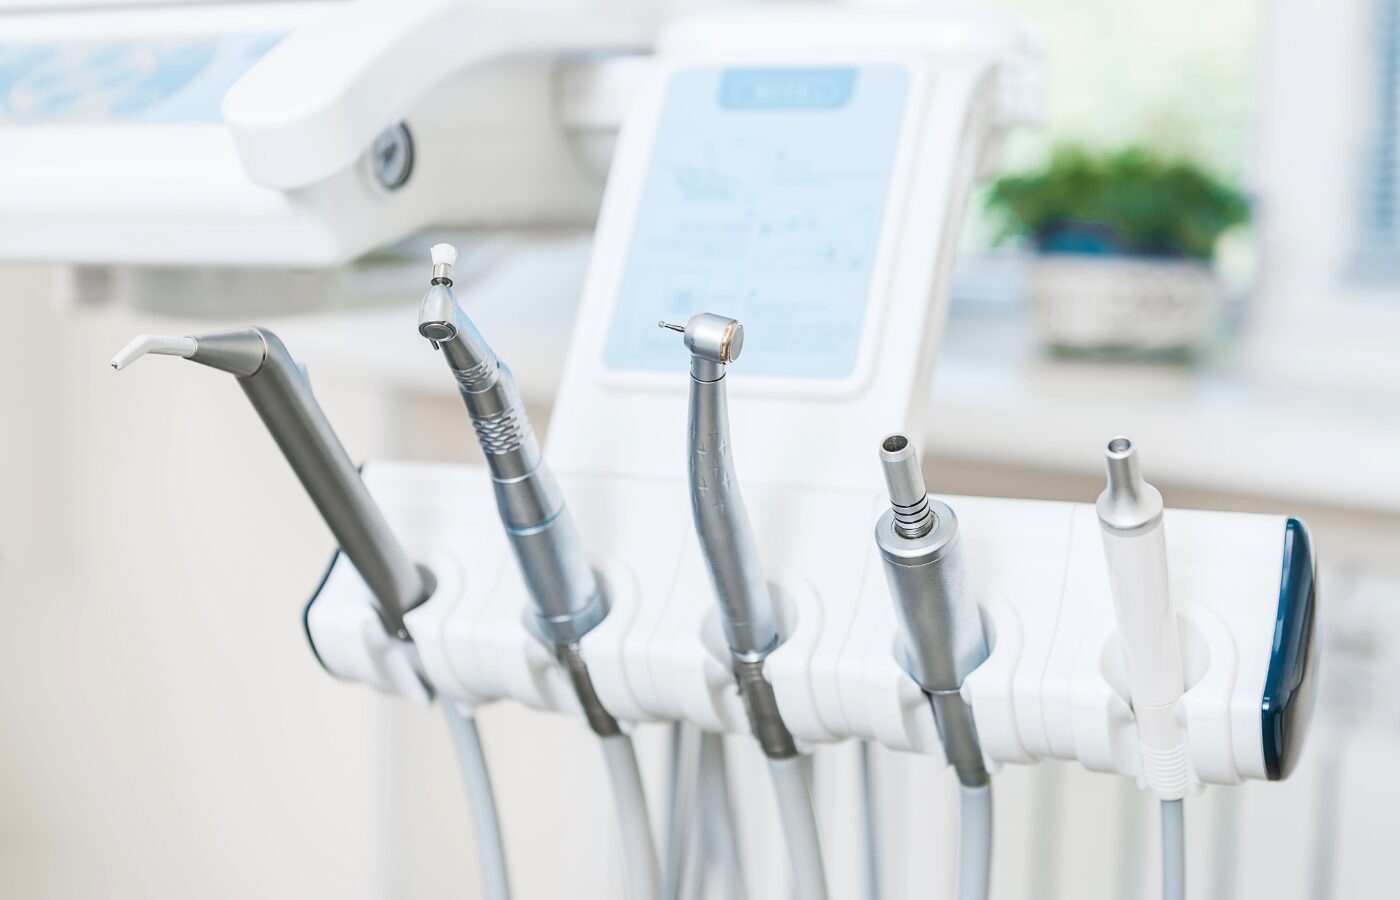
(1125, 243)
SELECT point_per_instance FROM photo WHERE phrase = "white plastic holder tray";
(1053, 686)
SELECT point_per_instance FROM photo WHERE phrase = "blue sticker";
(181, 80)
(764, 201)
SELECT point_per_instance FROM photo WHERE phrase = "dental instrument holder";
(1053, 685)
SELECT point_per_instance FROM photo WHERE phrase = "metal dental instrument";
(282, 397)
(567, 599)
(1130, 515)
(941, 638)
(746, 605)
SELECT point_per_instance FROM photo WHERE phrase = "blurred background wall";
(165, 733)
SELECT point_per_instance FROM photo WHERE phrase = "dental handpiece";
(1130, 515)
(567, 599)
(282, 397)
(722, 524)
(941, 638)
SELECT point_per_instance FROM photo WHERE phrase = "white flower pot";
(1133, 304)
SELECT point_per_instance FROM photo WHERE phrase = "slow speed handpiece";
(746, 605)
(281, 394)
(941, 638)
(1135, 546)
(567, 599)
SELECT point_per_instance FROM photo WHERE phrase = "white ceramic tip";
(153, 343)
(444, 254)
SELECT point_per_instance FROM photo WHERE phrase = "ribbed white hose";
(1173, 850)
(800, 827)
(975, 843)
(638, 852)
(495, 877)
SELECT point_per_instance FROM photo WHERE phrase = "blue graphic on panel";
(763, 200)
(177, 80)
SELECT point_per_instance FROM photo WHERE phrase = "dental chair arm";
(319, 98)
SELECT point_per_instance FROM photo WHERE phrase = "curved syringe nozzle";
(727, 541)
(941, 638)
(568, 601)
(282, 398)
(1130, 513)
(142, 344)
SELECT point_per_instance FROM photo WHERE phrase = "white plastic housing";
(262, 157)
(1147, 621)
(1053, 687)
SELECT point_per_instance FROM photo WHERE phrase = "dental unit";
(281, 394)
(568, 601)
(941, 638)
(802, 169)
(747, 613)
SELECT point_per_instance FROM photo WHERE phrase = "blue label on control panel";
(764, 200)
(177, 80)
(786, 88)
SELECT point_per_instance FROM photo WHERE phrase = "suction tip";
(444, 255)
(1128, 503)
(153, 343)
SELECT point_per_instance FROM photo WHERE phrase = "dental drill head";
(282, 398)
(722, 524)
(1130, 517)
(941, 638)
(567, 599)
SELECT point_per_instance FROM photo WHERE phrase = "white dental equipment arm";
(567, 600)
(282, 397)
(941, 639)
(747, 614)
(318, 99)
(1135, 546)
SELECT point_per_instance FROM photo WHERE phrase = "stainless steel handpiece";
(281, 394)
(941, 638)
(568, 601)
(722, 524)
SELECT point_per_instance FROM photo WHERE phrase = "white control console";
(807, 178)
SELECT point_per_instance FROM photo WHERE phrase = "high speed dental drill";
(281, 394)
(941, 639)
(747, 612)
(567, 598)
(1130, 515)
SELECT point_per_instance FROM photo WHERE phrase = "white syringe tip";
(153, 343)
(444, 255)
